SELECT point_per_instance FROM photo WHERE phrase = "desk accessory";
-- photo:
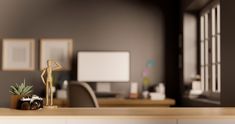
(157, 96)
(51, 66)
(159, 93)
(134, 90)
(62, 93)
(145, 94)
(160, 88)
(196, 87)
(33, 102)
(18, 91)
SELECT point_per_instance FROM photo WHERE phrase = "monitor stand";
(103, 87)
(103, 90)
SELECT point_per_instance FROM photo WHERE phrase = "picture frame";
(59, 50)
(18, 54)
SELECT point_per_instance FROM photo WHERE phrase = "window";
(210, 59)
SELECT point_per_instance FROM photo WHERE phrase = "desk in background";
(121, 102)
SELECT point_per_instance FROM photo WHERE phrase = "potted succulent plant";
(17, 91)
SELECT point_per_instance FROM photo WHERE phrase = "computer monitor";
(103, 66)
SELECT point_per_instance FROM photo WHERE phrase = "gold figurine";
(51, 66)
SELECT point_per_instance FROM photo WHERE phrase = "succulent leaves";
(20, 89)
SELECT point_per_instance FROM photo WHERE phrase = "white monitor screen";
(103, 66)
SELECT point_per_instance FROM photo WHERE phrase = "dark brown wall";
(227, 53)
(146, 28)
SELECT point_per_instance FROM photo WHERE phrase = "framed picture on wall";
(59, 50)
(18, 54)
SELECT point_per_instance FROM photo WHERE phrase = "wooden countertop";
(159, 113)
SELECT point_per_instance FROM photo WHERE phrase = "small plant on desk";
(18, 91)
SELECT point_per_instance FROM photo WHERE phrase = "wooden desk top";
(120, 102)
(158, 113)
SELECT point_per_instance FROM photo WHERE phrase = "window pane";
(213, 50)
(202, 53)
(206, 78)
(213, 21)
(218, 49)
(213, 78)
(202, 28)
(206, 26)
(206, 52)
(218, 18)
(219, 77)
(202, 77)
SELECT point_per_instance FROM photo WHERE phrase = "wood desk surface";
(158, 113)
(120, 102)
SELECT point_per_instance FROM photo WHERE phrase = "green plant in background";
(21, 89)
